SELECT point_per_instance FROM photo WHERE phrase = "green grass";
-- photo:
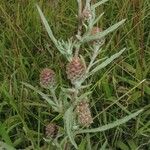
(118, 90)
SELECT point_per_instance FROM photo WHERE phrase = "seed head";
(47, 78)
(84, 114)
(75, 69)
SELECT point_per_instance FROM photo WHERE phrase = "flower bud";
(47, 78)
(75, 69)
(51, 130)
(84, 114)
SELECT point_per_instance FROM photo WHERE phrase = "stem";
(79, 17)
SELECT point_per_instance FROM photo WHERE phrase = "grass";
(118, 90)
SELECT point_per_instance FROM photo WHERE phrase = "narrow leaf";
(98, 4)
(111, 125)
(68, 117)
(104, 146)
(4, 146)
(44, 96)
(102, 34)
(107, 61)
(48, 29)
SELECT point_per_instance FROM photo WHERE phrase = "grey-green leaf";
(98, 4)
(102, 34)
(48, 29)
(111, 125)
(44, 96)
(68, 117)
(106, 62)
(4, 146)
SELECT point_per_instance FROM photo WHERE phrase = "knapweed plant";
(72, 103)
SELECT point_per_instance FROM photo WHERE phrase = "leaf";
(122, 146)
(84, 95)
(98, 4)
(5, 135)
(132, 144)
(48, 29)
(82, 145)
(111, 125)
(44, 96)
(97, 19)
(68, 117)
(4, 146)
(102, 34)
(99, 60)
(106, 62)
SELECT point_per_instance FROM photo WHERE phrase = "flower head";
(75, 69)
(47, 78)
(84, 114)
(51, 130)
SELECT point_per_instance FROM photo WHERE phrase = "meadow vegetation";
(120, 89)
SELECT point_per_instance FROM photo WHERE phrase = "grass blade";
(98, 4)
(5, 135)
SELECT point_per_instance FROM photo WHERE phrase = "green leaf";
(111, 125)
(122, 146)
(68, 118)
(82, 145)
(107, 61)
(4, 134)
(132, 144)
(102, 34)
(44, 96)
